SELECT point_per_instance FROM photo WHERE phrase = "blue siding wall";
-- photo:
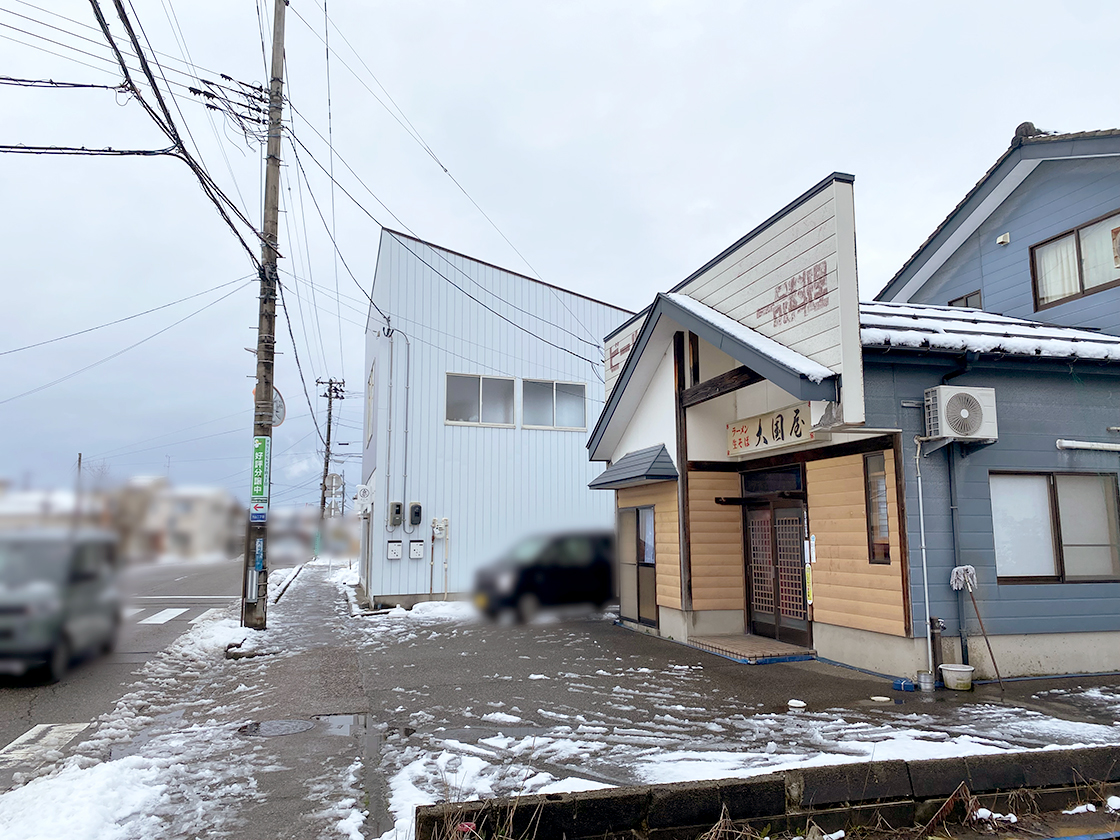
(1057, 196)
(1034, 409)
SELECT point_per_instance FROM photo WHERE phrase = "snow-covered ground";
(564, 714)
(168, 761)
(656, 725)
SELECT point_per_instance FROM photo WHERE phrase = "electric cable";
(119, 352)
(295, 353)
(122, 320)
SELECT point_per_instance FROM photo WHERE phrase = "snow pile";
(958, 329)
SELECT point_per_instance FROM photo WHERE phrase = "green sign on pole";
(261, 461)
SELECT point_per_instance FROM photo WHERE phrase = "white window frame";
(480, 377)
(553, 383)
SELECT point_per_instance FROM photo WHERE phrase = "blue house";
(1038, 237)
(799, 474)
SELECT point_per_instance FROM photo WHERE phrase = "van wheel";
(528, 605)
(110, 643)
(59, 662)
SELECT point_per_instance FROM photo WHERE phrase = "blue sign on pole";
(260, 553)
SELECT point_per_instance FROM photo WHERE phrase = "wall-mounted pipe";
(922, 534)
(1088, 444)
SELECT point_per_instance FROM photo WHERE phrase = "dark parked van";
(58, 598)
(548, 571)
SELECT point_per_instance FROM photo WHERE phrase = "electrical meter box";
(396, 513)
(415, 513)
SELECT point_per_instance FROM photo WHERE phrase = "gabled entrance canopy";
(673, 312)
(637, 468)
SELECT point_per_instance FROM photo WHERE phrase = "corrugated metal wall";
(492, 484)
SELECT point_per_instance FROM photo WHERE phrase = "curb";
(903, 793)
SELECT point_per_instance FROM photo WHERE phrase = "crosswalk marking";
(205, 616)
(129, 612)
(163, 616)
(32, 745)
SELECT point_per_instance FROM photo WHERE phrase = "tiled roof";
(955, 328)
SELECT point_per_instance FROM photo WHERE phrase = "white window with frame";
(1077, 263)
(553, 405)
(479, 400)
(1055, 527)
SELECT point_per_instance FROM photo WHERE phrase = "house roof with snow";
(957, 329)
(1029, 147)
(883, 326)
(767, 358)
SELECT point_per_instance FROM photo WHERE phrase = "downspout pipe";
(963, 367)
(922, 534)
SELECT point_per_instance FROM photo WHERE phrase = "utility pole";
(334, 392)
(254, 599)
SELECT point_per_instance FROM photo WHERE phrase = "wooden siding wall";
(717, 542)
(849, 591)
(663, 497)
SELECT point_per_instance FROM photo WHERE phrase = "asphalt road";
(161, 603)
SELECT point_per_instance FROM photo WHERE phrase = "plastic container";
(957, 677)
(925, 681)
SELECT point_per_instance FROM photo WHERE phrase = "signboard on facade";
(793, 279)
(772, 430)
(261, 459)
(615, 352)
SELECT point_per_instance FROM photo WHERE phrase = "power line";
(295, 353)
(330, 235)
(21, 149)
(415, 134)
(120, 320)
(51, 83)
(119, 352)
(330, 147)
(194, 68)
(209, 187)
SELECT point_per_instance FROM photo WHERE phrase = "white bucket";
(957, 677)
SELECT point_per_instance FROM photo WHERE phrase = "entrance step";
(752, 650)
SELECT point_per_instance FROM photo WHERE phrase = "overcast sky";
(618, 146)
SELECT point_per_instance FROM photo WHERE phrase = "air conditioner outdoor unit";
(956, 413)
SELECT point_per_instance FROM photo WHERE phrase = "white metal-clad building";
(481, 385)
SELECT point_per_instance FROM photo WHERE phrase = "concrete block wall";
(903, 793)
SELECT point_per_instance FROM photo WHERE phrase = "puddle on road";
(342, 724)
(273, 728)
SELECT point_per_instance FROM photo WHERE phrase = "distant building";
(1038, 237)
(479, 394)
(50, 509)
(194, 523)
